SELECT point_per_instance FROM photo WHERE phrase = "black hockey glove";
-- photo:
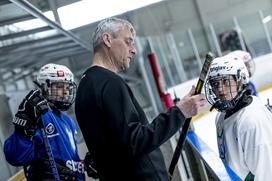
(29, 112)
(90, 166)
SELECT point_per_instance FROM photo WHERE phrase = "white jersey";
(245, 140)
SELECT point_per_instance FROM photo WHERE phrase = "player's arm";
(258, 155)
(18, 150)
(19, 147)
(29, 112)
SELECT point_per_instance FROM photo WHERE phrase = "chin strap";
(222, 106)
(214, 105)
(54, 109)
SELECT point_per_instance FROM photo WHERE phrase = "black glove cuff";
(28, 133)
(22, 125)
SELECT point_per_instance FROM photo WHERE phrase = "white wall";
(263, 72)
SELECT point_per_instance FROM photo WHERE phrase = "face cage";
(212, 92)
(61, 94)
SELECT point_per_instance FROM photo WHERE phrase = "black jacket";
(125, 146)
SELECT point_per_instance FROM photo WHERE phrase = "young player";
(26, 146)
(244, 124)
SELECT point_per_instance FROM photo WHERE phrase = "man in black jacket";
(125, 147)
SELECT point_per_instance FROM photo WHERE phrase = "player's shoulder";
(65, 116)
(256, 108)
(253, 113)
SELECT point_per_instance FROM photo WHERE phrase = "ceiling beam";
(54, 9)
(24, 58)
(32, 61)
(4, 2)
(37, 13)
(43, 45)
(12, 56)
(15, 20)
(29, 42)
(56, 48)
(24, 33)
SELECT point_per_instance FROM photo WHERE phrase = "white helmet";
(221, 68)
(229, 65)
(246, 57)
(54, 74)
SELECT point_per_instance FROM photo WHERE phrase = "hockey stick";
(49, 151)
(47, 145)
(207, 63)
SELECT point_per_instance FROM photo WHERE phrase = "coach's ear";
(107, 39)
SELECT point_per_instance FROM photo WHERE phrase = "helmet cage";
(214, 88)
(60, 93)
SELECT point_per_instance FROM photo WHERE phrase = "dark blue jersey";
(21, 151)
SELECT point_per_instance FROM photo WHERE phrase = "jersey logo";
(60, 73)
(50, 129)
(221, 145)
(19, 121)
(75, 166)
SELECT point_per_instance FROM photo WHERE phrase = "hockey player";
(243, 124)
(26, 146)
(246, 57)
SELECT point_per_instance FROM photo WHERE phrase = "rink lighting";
(267, 19)
(82, 13)
(34, 23)
(85, 12)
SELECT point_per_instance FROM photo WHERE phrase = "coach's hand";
(191, 104)
(90, 166)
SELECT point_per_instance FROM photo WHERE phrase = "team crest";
(50, 129)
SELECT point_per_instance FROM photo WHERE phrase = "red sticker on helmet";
(60, 73)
